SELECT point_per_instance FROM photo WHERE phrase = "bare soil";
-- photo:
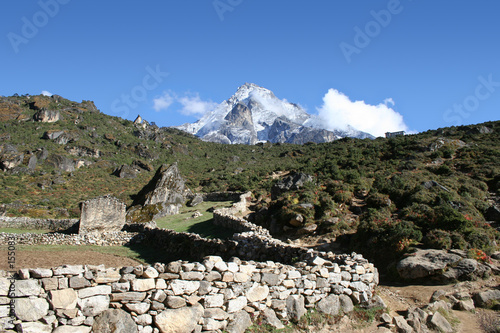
(49, 259)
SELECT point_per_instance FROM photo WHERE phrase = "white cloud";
(338, 111)
(46, 93)
(191, 104)
(163, 102)
(194, 105)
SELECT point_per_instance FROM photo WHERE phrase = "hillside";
(437, 189)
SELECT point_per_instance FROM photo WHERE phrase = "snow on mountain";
(254, 114)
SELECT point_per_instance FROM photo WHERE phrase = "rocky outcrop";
(10, 157)
(47, 116)
(163, 195)
(101, 214)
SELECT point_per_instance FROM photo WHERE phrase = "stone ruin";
(105, 213)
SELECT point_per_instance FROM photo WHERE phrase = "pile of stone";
(180, 296)
(101, 239)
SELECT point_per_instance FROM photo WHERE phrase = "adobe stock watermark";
(471, 103)
(222, 6)
(30, 27)
(138, 93)
(373, 28)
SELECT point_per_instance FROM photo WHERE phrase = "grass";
(202, 225)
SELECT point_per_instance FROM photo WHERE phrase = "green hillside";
(434, 189)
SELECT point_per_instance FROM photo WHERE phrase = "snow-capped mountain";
(254, 114)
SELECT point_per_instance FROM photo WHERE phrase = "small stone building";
(101, 214)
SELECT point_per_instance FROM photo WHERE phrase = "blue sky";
(432, 64)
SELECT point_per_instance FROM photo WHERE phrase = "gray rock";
(401, 325)
(125, 171)
(196, 200)
(270, 318)
(114, 321)
(175, 302)
(31, 309)
(35, 327)
(440, 323)
(92, 306)
(329, 305)
(61, 162)
(240, 323)
(426, 263)
(78, 282)
(486, 299)
(295, 307)
(346, 303)
(291, 182)
(73, 329)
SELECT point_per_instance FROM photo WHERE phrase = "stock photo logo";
(222, 6)
(461, 111)
(139, 93)
(371, 30)
(30, 27)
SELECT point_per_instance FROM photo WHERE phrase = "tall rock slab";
(101, 214)
(162, 196)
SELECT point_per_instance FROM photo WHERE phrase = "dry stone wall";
(31, 223)
(181, 296)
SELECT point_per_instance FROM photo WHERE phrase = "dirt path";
(49, 259)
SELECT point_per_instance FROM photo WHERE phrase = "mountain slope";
(254, 114)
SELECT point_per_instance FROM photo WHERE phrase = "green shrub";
(438, 239)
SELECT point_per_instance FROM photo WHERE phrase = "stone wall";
(31, 223)
(221, 196)
(237, 224)
(209, 295)
(105, 213)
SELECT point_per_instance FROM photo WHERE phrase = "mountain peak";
(255, 114)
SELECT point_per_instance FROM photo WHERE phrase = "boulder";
(487, 299)
(114, 321)
(47, 116)
(440, 323)
(290, 183)
(61, 162)
(438, 265)
(196, 200)
(125, 171)
(162, 196)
